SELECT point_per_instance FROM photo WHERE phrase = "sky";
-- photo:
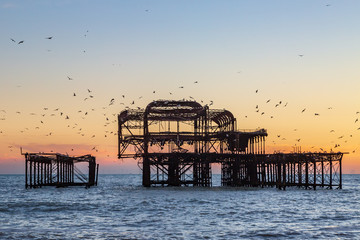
(303, 55)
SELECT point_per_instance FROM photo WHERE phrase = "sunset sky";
(303, 53)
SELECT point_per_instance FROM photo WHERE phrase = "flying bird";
(196, 82)
(303, 110)
(12, 40)
(49, 38)
(69, 78)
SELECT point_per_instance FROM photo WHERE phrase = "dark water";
(119, 208)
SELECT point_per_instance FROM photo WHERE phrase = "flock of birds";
(110, 118)
(316, 114)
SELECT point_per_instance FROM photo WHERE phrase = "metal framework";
(54, 169)
(175, 143)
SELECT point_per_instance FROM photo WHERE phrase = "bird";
(74, 95)
(12, 40)
(196, 82)
(89, 90)
(69, 78)
(256, 90)
(356, 120)
(22, 41)
(301, 55)
(303, 110)
(316, 114)
(268, 101)
(49, 38)
(181, 87)
(123, 96)
(153, 91)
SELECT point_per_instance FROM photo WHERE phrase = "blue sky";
(134, 48)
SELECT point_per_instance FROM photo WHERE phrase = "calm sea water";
(120, 208)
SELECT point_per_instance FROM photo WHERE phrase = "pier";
(176, 142)
(54, 169)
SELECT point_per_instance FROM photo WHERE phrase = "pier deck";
(176, 142)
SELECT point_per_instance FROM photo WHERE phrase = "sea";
(120, 208)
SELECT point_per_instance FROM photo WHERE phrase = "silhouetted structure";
(54, 169)
(177, 141)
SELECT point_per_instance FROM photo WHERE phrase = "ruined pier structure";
(54, 169)
(175, 143)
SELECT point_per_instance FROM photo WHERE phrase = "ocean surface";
(120, 208)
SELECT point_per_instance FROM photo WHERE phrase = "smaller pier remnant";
(54, 169)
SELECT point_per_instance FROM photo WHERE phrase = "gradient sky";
(303, 53)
